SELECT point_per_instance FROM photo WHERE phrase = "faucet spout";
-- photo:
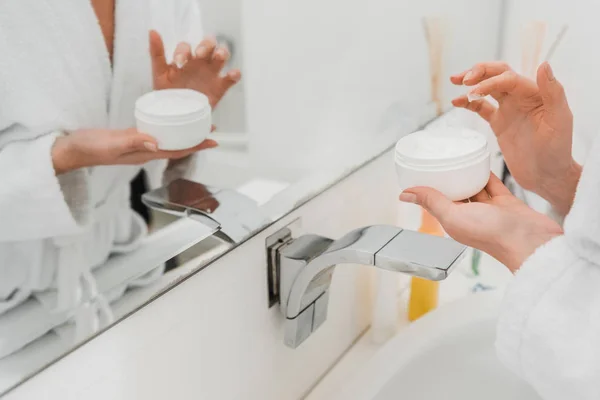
(306, 268)
(231, 214)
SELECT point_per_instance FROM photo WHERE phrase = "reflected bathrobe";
(56, 76)
(549, 328)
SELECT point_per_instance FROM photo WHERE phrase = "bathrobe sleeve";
(549, 327)
(34, 202)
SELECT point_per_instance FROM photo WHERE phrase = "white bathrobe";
(549, 329)
(56, 76)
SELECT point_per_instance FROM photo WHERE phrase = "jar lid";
(172, 105)
(440, 147)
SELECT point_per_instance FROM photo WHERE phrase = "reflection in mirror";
(98, 218)
(232, 215)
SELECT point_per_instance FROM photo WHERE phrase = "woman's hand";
(533, 124)
(200, 71)
(493, 221)
(86, 148)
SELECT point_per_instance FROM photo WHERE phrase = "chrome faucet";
(300, 270)
(231, 214)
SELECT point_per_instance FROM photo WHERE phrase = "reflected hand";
(193, 194)
(493, 221)
(86, 148)
(200, 71)
(533, 124)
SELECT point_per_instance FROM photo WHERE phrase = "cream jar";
(454, 161)
(177, 118)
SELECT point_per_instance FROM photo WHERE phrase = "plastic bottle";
(424, 293)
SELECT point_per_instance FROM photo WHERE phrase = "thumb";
(430, 199)
(552, 91)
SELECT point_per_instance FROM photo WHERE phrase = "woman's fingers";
(231, 78)
(132, 141)
(431, 200)
(205, 49)
(207, 144)
(482, 107)
(157, 54)
(183, 53)
(219, 58)
(458, 79)
(481, 72)
(177, 154)
(508, 82)
(495, 187)
(481, 197)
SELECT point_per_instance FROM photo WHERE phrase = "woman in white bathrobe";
(70, 73)
(549, 329)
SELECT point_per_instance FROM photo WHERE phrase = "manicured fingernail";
(201, 51)
(468, 76)
(220, 54)
(180, 60)
(550, 72)
(151, 146)
(408, 198)
(472, 96)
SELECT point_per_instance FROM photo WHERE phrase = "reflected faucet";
(300, 270)
(231, 214)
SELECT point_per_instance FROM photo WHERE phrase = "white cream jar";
(177, 118)
(454, 161)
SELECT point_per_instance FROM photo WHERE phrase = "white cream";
(177, 118)
(454, 161)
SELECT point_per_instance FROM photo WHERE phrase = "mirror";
(97, 220)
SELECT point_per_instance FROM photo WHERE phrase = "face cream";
(177, 118)
(453, 161)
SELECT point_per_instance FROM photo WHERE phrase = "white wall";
(577, 60)
(223, 17)
(321, 72)
(213, 337)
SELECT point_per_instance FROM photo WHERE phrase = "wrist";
(513, 253)
(560, 191)
(64, 157)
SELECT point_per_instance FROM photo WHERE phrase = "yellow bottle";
(424, 293)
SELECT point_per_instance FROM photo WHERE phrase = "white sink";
(448, 354)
